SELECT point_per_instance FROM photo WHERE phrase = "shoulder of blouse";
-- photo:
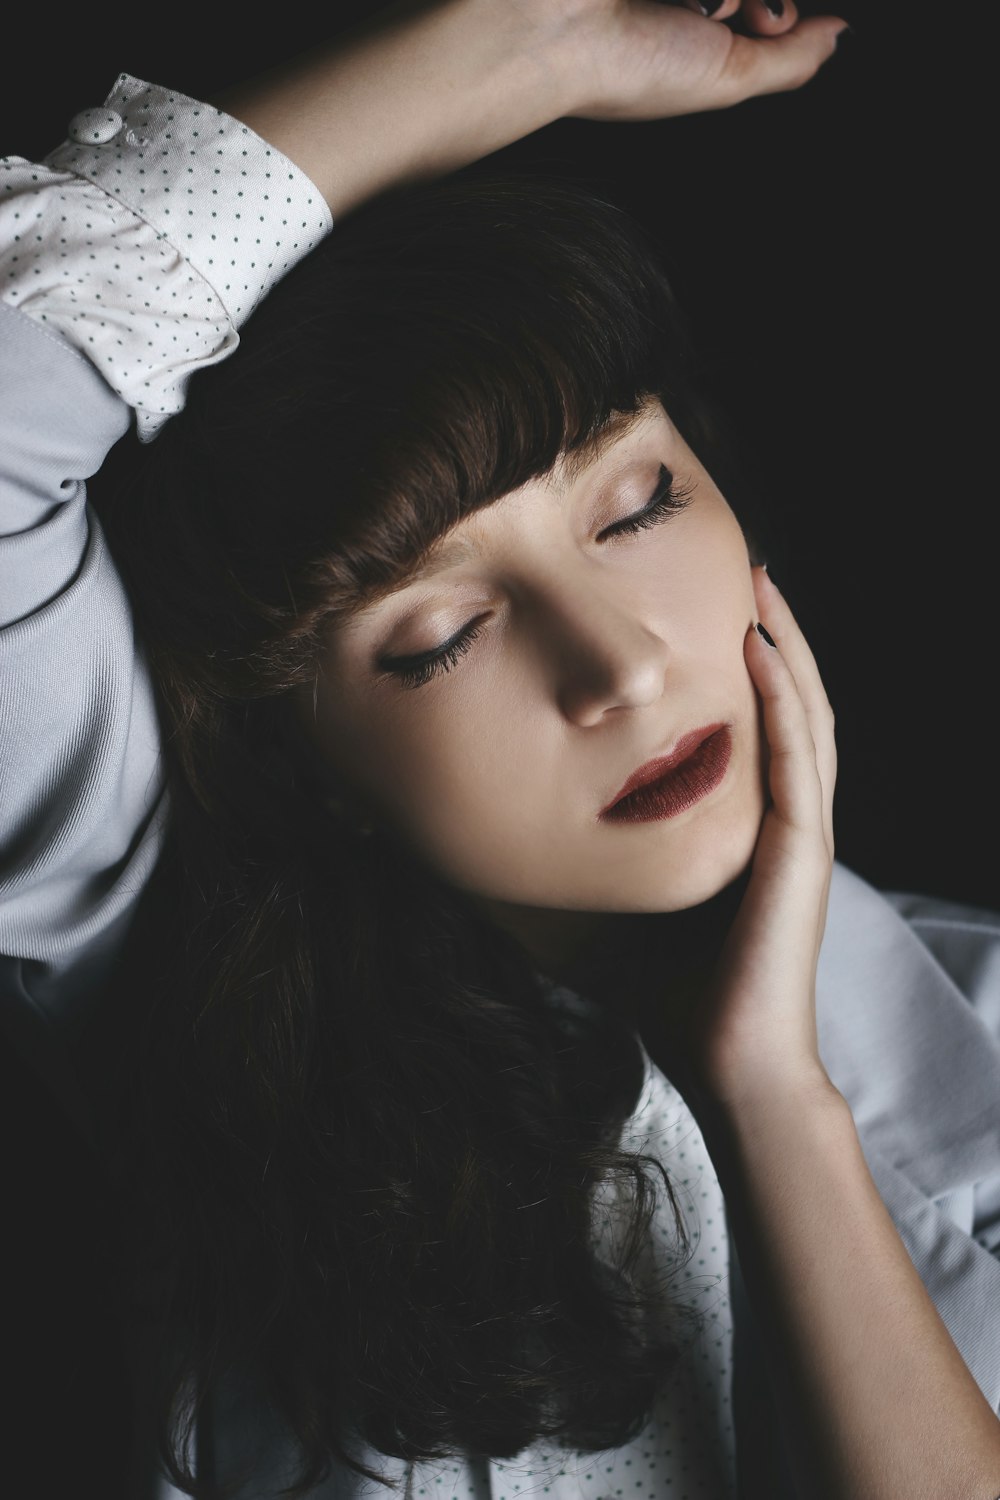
(128, 258)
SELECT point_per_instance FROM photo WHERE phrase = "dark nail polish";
(776, 8)
(762, 632)
(709, 7)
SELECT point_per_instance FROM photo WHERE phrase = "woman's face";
(597, 648)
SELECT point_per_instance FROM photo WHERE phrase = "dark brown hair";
(367, 1143)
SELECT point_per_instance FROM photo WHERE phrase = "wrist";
(774, 1108)
(766, 1147)
(571, 40)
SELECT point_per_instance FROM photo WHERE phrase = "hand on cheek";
(796, 713)
(756, 1033)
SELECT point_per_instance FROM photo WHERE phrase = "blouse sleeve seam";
(41, 328)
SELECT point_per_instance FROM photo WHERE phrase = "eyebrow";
(444, 554)
(449, 551)
(592, 448)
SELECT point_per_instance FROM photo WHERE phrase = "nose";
(603, 655)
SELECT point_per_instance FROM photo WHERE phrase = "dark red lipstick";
(671, 784)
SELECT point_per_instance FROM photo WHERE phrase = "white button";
(95, 127)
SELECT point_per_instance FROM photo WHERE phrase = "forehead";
(624, 429)
(570, 467)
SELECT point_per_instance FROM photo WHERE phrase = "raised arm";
(878, 1402)
(424, 89)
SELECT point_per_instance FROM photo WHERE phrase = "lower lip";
(681, 787)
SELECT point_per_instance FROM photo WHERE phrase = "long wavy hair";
(366, 1144)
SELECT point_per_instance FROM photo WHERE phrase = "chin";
(694, 869)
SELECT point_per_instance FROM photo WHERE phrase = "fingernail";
(709, 7)
(767, 639)
(775, 7)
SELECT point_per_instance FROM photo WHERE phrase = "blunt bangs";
(513, 322)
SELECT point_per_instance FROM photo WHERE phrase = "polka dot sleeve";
(149, 235)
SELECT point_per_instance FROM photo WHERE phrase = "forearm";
(428, 86)
(420, 91)
(877, 1400)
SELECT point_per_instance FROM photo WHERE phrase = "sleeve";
(965, 940)
(128, 259)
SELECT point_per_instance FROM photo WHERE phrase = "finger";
(777, 615)
(781, 623)
(769, 17)
(764, 17)
(793, 774)
(715, 10)
(773, 63)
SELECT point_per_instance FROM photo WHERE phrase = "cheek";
(727, 596)
(701, 593)
(438, 765)
(465, 781)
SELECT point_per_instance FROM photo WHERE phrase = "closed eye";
(666, 500)
(414, 671)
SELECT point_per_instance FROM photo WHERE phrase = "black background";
(831, 250)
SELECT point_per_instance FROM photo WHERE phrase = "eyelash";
(412, 672)
(666, 500)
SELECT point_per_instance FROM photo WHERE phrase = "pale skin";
(595, 651)
(872, 1385)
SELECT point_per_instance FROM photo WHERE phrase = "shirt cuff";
(150, 235)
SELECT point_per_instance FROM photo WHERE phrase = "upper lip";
(652, 770)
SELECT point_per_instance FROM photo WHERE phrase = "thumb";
(769, 65)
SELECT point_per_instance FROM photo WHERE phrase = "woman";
(354, 813)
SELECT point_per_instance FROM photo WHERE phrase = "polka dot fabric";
(687, 1451)
(162, 223)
